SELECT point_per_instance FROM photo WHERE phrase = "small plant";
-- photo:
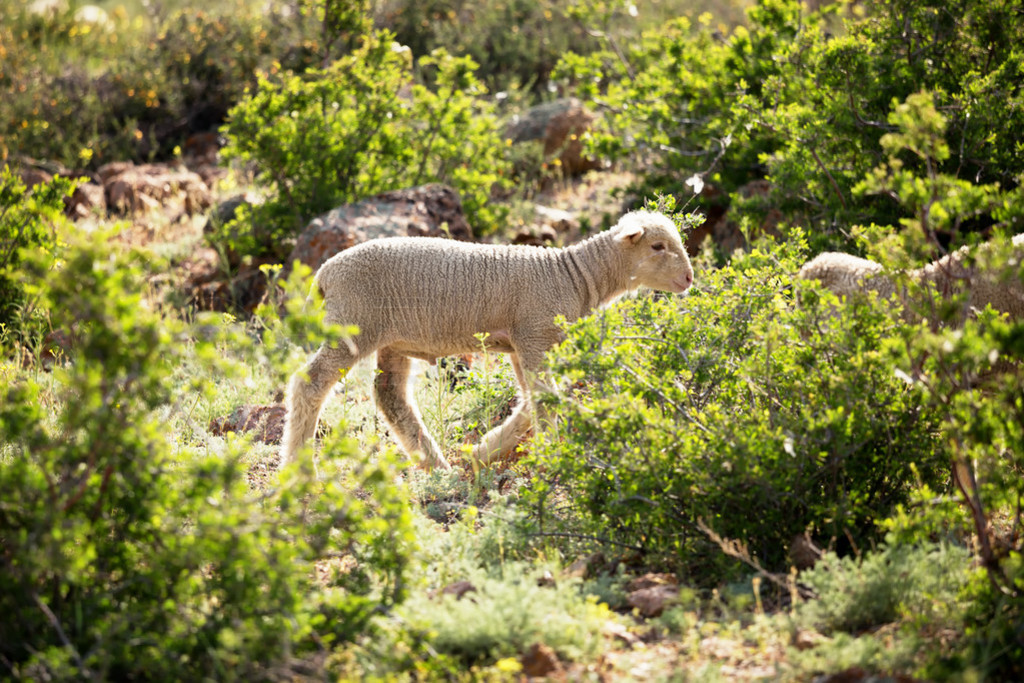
(29, 221)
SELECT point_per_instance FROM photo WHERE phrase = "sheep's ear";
(630, 233)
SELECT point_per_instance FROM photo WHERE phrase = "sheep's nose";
(689, 279)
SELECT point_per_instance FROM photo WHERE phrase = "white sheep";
(845, 274)
(952, 274)
(421, 297)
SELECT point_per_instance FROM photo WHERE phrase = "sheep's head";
(655, 254)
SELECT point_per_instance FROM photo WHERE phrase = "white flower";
(696, 182)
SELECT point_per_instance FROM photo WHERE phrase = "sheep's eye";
(658, 246)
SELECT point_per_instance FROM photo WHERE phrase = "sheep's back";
(426, 287)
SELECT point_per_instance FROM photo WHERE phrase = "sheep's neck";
(597, 271)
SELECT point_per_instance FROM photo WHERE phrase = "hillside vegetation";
(757, 480)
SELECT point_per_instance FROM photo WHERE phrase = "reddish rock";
(458, 589)
(33, 176)
(651, 580)
(132, 189)
(559, 126)
(540, 660)
(88, 199)
(650, 594)
(266, 421)
(418, 211)
(242, 293)
(535, 235)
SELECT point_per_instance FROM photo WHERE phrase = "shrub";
(136, 91)
(739, 405)
(916, 583)
(28, 221)
(345, 132)
(517, 42)
(126, 555)
(786, 99)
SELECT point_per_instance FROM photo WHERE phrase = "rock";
(222, 214)
(33, 176)
(417, 211)
(857, 674)
(561, 221)
(242, 293)
(267, 421)
(586, 566)
(650, 594)
(620, 632)
(651, 580)
(559, 126)
(458, 589)
(540, 660)
(535, 235)
(808, 640)
(87, 199)
(132, 189)
(56, 347)
(201, 148)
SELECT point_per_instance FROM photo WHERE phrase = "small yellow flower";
(508, 665)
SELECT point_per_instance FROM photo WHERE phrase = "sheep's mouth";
(681, 284)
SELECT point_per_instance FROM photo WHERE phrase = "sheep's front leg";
(306, 394)
(503, 439)
(391, 388)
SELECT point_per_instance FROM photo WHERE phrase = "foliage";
(28, 221)
(340, 134)
(128, 88)
(917, 583)
(126, 556)
(739, 397)
(518, 42)
(785, 98)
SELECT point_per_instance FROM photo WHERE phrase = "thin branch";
(55, 623)
(738, 550)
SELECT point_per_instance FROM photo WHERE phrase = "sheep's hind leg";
(503, 439)
(307, 391)
(391, 388)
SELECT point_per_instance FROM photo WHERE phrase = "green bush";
(126, 555)
(29, 221)
(920, 584)
(134, 91)
(760, 406)
(786, 99)
(345, 132)
(516, 42)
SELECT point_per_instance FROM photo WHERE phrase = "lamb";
(845, 275)
(424, 298)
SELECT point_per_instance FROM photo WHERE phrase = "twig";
(738, 550)
(55, 623)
